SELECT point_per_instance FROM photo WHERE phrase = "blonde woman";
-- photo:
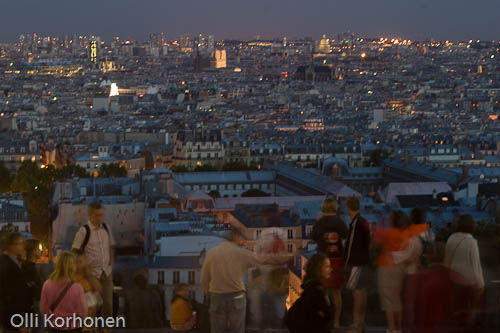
(62, 297)
(91, 286)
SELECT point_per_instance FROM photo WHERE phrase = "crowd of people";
(418, 290)
(80, 284)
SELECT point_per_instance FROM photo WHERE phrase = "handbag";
(93, 299)
(60, 297)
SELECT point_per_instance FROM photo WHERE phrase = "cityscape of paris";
(225, 167)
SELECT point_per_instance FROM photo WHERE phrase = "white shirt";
(97, 250)
(462, 256)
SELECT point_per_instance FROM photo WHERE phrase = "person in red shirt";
(328, 233)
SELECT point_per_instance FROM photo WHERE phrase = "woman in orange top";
(391, 275)
(182, 316)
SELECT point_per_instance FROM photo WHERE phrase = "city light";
(114, 90)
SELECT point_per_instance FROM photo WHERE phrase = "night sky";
(135, 19)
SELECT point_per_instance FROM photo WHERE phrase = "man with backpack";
(96, 240)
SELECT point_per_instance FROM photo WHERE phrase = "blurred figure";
(222, 278)
(462, 257)
(182, 314)
(61, 296)
(267, 295)
(411, 259)
(328, 233)
(357, 259)
(90, 284)
(15, 296)
(313, 311)
(144, 306)
(390, 275)
(32, 274)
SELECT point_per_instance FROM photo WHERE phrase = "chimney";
(465, 171)
(335, 172)
(167, 184)
(479, 201)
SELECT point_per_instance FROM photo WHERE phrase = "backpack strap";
(87, 237)
(87, 234)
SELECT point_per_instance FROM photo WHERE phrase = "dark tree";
(35, 184)
(377, 156)
(255, 193)
(180, 168)
(201, 168)
(5, 178)
(214, 194)
(113, 170)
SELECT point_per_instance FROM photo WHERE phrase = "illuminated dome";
(324, 45)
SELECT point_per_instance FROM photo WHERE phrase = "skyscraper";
(186, 44)
(211, 44)
(157, 40)
(93, 52)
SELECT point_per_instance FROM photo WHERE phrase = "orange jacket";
(394, 239)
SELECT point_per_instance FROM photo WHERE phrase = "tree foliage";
(214, 194)
(30, 177)
(204, 168)
(35, 184)
(180, 168)
(255, 193)
(229, 166)
(5, 178)
(238, 166)
(113, 170)
(70, 171)
(377, 156)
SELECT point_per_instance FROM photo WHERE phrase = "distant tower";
(157, 40)
(219, 59)
(186, 44)
(211, 44)
(198, 61)
(93, 52)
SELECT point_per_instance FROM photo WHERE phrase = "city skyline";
(417, 21)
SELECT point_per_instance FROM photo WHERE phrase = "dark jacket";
(33, 280)
(328, 224)
(144, 307)
(319, 316)
(14, 294)
(357, 250)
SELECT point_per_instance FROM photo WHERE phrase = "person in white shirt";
(96, 240)
(462, 258)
